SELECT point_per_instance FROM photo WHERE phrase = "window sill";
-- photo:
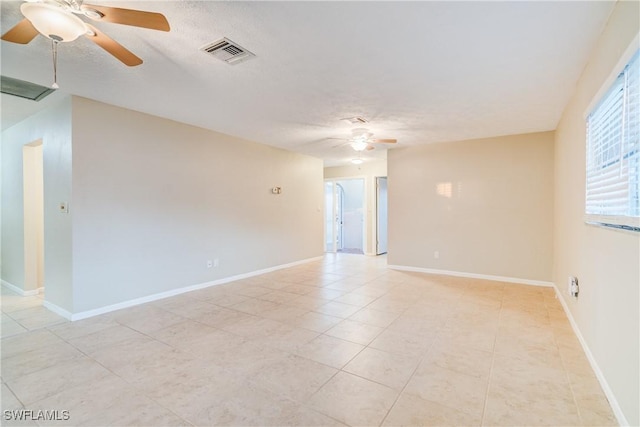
(616, 227)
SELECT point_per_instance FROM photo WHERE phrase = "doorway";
(381, 215)
(33, 216)
(344, 216)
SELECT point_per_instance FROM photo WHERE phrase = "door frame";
(33, 217)
(365, 202)
(377, 209)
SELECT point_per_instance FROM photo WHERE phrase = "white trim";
(622, 62)
(345, 178)
(374, 228)
(170, 293)
(614, 220)
(615, 406)
(57, 310)
(18, 290)
(12, 288)
(614, 227)
(474, 275)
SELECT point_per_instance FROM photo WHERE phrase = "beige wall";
(606, 261)
(486, 206)
(369, 171)
(53, 127)
(155, 199)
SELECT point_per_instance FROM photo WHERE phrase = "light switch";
(63, 207)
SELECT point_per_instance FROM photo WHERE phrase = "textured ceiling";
(421, 72)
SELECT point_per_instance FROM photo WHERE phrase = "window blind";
(613, 152)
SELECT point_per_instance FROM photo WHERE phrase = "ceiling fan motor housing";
(69, 4)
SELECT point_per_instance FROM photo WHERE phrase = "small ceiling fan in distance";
(59, 20)
(361, 139)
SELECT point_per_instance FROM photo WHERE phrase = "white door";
(381, 215)
(350, 215)
(344, 215)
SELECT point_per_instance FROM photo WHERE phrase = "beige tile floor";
(21, 314)
(342, 341)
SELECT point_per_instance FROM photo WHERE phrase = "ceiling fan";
(361, 139)
(59, 20)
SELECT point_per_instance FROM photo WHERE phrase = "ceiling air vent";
(355, 120)
(23, 89)
(227, 51)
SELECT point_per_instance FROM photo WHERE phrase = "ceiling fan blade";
(22, 33)
(387, 141)
(114, 48)
(370, 147)
(338, 145)
(136, 18)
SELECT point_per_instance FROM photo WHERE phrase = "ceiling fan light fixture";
(359, 145)
(357, 161)
(54, 22)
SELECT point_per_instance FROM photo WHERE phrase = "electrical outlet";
(209, 263)
(573, 287)
(216, 262)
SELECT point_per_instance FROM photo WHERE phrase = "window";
(613, 153)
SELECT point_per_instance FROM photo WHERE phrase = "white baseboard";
(57, 310)
(167, 294)
(12, 288)
(20, 291)
(473, 275)
(615, 406)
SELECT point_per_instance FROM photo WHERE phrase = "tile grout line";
(566, 372)
(114, 373)
(338, 370)
(422, 358)
(14, 393)
(493, 360)
(349, 361)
